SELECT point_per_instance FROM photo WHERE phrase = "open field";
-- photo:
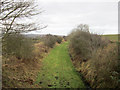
(112, 37)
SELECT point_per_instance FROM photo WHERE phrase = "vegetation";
(14, 13)
(84, 50)
(58, 39)
(19, 46)
(19, 57)
(22, 71)
(50, 40)
(57, 70)
(112, 37)
(105, 65)
(84, 44)
(96, 58)
(25, 53)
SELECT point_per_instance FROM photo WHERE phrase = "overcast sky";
(62, 16)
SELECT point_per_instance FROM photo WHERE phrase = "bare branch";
(11, 10)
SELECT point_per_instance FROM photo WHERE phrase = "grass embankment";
(57, 70)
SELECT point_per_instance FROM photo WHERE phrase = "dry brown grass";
(18, 73)
(101, 69)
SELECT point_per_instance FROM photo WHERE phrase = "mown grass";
(57, 70)
(112, 37)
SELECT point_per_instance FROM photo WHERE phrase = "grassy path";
(58, 71)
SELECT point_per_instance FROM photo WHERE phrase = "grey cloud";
(62, 17)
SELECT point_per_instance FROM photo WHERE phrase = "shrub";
(17, 45)
(96, 58)
(98, 42)
(80, 43)
(105, 64)
(84, 44)
(58, 39)
(49, 41)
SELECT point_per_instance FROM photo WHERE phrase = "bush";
(98, 42)
(80, 44)
(105, 64)
(49, 41)
(17, 45)
(95, 58)
(84, 44)
(58, 39)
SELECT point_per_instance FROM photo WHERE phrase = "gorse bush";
(17, 45)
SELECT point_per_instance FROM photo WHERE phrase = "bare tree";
(14, 13)
(80, 27)
(83, 27)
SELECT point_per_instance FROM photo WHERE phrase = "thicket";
(50, 40)
(84, 44)
(105, 65)
(96, 58)
(19, 46)
(58, 39)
